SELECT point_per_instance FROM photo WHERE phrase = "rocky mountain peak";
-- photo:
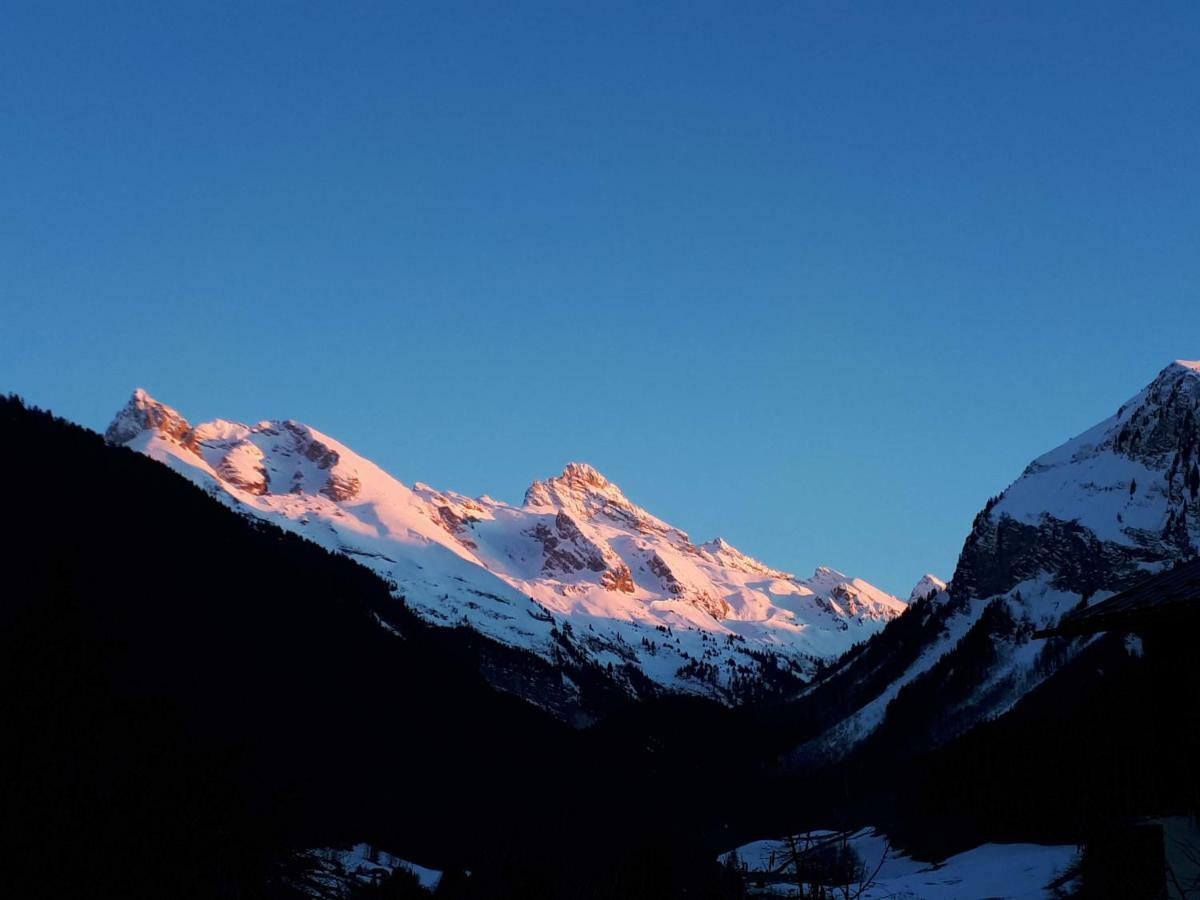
(1093, 513)
(582, 472)
(143, 412)
(1162, 420)
(580, 487)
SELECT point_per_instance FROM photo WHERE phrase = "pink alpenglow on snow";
(633, 587)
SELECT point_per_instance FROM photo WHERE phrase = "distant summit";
(929, 584)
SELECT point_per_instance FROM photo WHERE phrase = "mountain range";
(587, 580)
(285, 646)
(577, 572)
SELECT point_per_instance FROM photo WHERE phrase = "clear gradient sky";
(816, 277)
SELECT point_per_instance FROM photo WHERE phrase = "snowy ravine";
(1090, 518)
(576, 569)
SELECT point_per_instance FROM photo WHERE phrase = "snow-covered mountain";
(1094, 516)
(929, 584)
(576, 570)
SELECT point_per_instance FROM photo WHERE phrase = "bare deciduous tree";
(828, 867)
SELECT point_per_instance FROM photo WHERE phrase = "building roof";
(1160, 601)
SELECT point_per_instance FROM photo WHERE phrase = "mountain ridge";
(577, 563)
(1091, 517)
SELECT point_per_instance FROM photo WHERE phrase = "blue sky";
(815, 277)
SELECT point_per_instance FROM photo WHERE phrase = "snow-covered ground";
(331, 869)
(634, 589)
(1013, 871)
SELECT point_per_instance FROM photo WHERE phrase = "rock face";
(1100, 510)
(242, 467)
(143, 412)
(565, 548)
(1088, 519)
(578, 571)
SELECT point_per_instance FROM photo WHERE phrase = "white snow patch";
(333, 869)
(1013, 871)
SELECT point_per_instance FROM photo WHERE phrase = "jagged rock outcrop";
(618, 578)
(341, 487)
(566, 549)
(143, 413)
(586, 493)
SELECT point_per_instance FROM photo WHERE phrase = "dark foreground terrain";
(189, 697)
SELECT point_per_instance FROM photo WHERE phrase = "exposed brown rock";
(618, 578)
(341, 487)
(143, 412)
(229, 471)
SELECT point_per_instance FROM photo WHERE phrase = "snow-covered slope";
(1094, 516)
(929, 584)
(577, 568)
